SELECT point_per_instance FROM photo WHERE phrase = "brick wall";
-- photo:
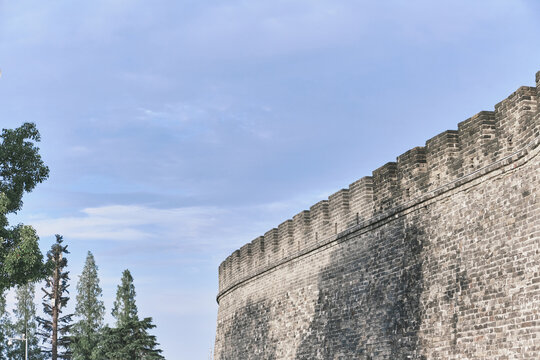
(434, 256)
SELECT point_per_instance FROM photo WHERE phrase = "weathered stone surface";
(436, 256)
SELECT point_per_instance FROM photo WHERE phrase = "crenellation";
(338, 205)
(259, 256)
(435, 256)
(286, 238)
(536, 117)
(538, 83)
(515, 119)
(442, 157)
(236, 266)
(226, 279)
(222, 275)
(475, 135)
(320, 219)
(302, 228)
(412, 172)
(361, 202)
(272, 248)
(245, 260)
(385, 187)
(230, 270)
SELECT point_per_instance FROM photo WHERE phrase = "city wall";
(434, 256)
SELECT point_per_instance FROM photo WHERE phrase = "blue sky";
(177, 131)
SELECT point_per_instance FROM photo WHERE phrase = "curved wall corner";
(433, 256)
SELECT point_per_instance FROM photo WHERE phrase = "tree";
(21, 260)
(25, 325)
(130, 339)
(55, 328)
(5, 327)
(90, 312)
(125, 309)
(21, 169)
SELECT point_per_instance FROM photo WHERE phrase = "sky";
(177, 131)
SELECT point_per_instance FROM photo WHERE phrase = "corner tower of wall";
(479, 141)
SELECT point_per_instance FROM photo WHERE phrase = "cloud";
(176, 114)
(211, 121)
(136, 229)
(130, 223)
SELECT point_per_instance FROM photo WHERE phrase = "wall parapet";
(481, 144)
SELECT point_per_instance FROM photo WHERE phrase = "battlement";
(479, 141)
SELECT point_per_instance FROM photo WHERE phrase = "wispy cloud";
(140, 228)
(177, 131)
(252, 120)
(130, 223)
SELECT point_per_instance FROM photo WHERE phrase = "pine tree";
(89, 311)
(129, 342)
(25, 325)
(130, 339)
(124, 309)
(55, 328)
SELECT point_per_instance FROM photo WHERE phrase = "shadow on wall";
(250, 327)
(369, 300)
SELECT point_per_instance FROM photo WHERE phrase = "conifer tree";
(124, 309)
(129, 342)
(89, 311)
(5, 327)
(130, 339)
(55, 328)
(25, 326)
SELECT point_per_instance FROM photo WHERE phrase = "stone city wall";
(434, 256)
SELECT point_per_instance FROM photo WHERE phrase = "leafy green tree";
(55, 328)
(25, 325)
(21, 169)
(89, 311)
(130, 339)
(21, 260)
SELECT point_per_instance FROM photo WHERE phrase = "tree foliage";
(125, 309)
(5, 327)
(25, 324)
(21, 169)
(55, 328)
(89, 311)
(20, 257)
(130, 339)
